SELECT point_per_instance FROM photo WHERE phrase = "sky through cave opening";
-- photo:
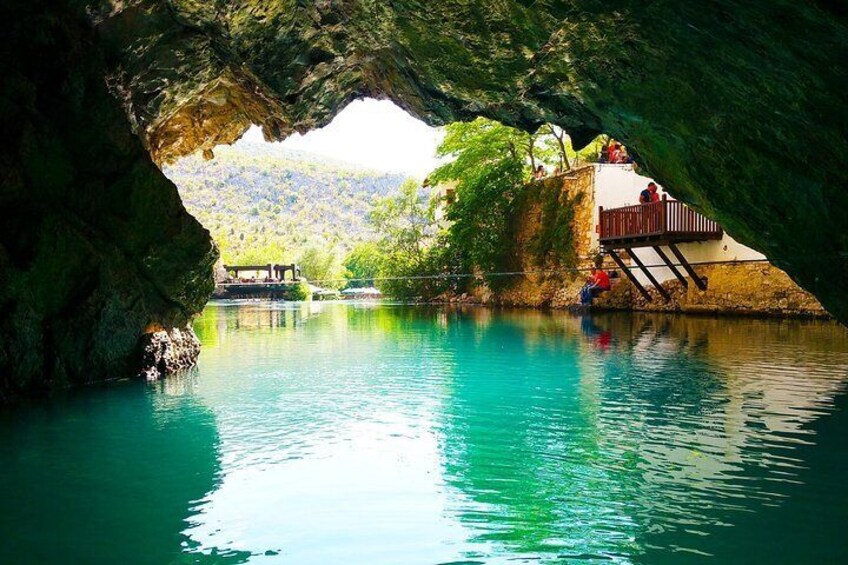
(310, 198)
(306, 199)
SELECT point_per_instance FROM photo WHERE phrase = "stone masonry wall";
(737, 289)
(540, 290)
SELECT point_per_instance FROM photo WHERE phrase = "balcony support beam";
(699, 282)
(658, 250)
(650, 276)
(630, 275)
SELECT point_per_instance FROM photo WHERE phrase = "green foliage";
(488, 165)
(363, 264)
(474, 147)
(263, 204)
(404, 221)
(407, 228)
(489, 171)
(300, 292)
(592, 152)
(553, 243)
(259, 255)
(323, 267)
(484, 217)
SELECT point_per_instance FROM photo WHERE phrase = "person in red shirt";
(611, 151)
(599, 282)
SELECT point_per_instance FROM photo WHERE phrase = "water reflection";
(109, 475)
(468, 434)
(339, 433)
(664, 429)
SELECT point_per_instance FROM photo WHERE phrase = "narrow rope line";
(536, 272)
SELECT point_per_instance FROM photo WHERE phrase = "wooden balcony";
(657, 223)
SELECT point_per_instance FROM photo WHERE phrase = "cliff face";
(736, 105)
(95, 246)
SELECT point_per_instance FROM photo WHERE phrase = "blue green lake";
(328, 433)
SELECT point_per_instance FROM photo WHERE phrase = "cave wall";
(736, 106)
(96, 248)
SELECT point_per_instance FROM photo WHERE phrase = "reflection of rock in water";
(142, 457)
(666, 426)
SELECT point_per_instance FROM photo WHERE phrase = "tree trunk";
(530, 145)
(563, 155)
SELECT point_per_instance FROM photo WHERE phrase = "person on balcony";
(597, 283)
(649, 194)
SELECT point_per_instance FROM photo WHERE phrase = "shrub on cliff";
(300, 292)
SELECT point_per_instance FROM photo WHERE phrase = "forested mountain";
(264, 203)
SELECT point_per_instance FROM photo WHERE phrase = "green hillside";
(263, 203)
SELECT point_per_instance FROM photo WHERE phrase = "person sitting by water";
(649, 194)
(597, 283)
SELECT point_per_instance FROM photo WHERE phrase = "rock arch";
(736, 106)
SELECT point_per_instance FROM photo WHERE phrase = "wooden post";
(600, 222)
(630, 275)
(648, 274)
(699, 282)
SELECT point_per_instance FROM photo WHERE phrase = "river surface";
(358, 434)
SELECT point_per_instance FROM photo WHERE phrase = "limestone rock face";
(736, 106)
(96, 248)
(168, 351)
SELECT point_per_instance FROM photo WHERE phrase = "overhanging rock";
(737, 107)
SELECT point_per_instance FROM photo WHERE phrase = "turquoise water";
(351, 434)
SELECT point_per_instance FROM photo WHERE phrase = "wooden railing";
(666, 218)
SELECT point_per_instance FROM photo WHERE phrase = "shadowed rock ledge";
(737, 107)
(96, 248)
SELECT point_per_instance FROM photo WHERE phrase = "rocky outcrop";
(752, 289)
(165, 352)
(735, 106)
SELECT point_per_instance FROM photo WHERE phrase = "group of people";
(596, 283)
(614, 153)
(649, 194)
